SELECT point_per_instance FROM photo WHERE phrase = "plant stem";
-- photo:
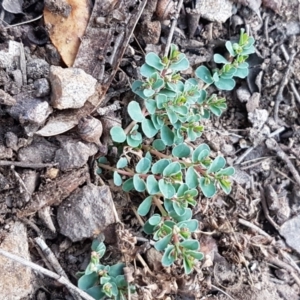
(157, 202)
(106, 167)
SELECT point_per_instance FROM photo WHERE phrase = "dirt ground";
(48, 162)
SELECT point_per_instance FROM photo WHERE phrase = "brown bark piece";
(54, 192)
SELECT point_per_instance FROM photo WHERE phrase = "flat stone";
(215, 11)
(15, 279)
(74, 154)
(71, 87)
(290, 231)
(87, 212)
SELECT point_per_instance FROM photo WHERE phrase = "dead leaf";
(273, 4)
(59, 124)
(65, 33)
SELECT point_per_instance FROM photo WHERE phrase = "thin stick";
(265, 209)
(46, 272)
(220, 290)
(174, 22)
(25, 22)
(25, 164)
(272, 145)
(284, 81)
(254, 227)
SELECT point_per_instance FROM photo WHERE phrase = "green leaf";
(171, 169)
(227, 171)
(191, 178)
(155, 220)
(186, 216)
(225, 185)
(148, 128)
(181, 65)
(161, 100)
(192, 225)
(241, 73)
(148, 92)
(147, 71)
(150, 105)
(153, 60)
(204, 74)
(219, 59)
(152, 185)
(137, 88)
(122, 163)
(117, 134)
(132, 142)
(163, 243)
(218, 163)
(198, 150)
(87, 281)
(116, 269)
(128, 185)
(148, 228)
(159, 145)
(168, 256)
(159, 83)
(182, 150)
(135, 112)
(226, 84)
(179, 210)
(96, 292)
(166, 188)
(207, 187)
(167, 135)
(197, 255)
(190, 244)
(160, 165)
(117, 179)
(98, 247)
(229, 48)
(138, 183)
(202, 97)
(143, 166)
(187, 265)
(121, 281)
(145, 206)
(172, 115)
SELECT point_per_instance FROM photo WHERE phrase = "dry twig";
(60, 279)
(273, 145)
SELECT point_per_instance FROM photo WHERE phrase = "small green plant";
(169, 168)
(102, 282)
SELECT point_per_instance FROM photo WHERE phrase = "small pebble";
(42, 87)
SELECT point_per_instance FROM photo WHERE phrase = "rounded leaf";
(159, 166)
(135, 112)
(152, 185)
(219, 59)
(128, 185)
(204, 74)
(208, 187)
(167, 135)
(138, 183)
(168, 256)
(145, 206)
(166, 188)
(153, 60)
(225, 84)
(163, 243)
(143, 166)
(218, 163)
(117, 134)
(155, 220)
(87, 281)
(182, 150)
(117, 179)
(148, 128)
(122, 163)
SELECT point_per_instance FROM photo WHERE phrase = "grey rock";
(30, 109)
(86, 212)
(5, 153)
(74, 154)
(40, 151)
(42, 87)
(6, 99)
(37, 68)
(290, 231)
(215, 11)
(15, 279)
(70, 87)
(11, 140)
